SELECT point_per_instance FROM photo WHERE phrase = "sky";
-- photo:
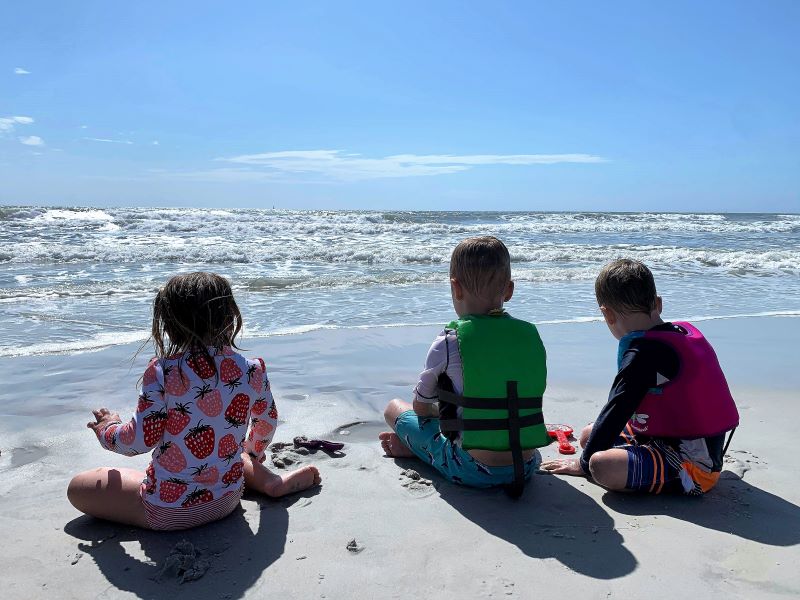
(622, 106)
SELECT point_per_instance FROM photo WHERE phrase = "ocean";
(80, 279)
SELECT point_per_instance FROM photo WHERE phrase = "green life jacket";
(505, 373)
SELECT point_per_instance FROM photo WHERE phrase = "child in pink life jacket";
(205, 411)
(663, 428)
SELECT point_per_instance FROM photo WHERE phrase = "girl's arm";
(146, 428)
(263, 420)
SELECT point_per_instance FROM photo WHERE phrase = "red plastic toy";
(561, 433)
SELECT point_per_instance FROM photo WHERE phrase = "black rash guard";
(639, 370)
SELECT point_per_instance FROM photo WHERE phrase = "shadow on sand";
(734, 506)
(237, 554)
(552, 519)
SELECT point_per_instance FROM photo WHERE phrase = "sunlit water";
(73, 279)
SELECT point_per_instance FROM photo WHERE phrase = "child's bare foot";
(393, 446)
(294, 481)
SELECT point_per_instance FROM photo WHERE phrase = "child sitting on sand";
(486, 371)
(663, 428)
(198, 397)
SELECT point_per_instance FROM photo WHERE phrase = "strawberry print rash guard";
(197, 412)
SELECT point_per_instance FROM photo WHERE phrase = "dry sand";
(374, 530)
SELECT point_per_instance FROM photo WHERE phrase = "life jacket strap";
(728, 443)
(451, 425)
(512, 403)
(514, 423)
(501, 403)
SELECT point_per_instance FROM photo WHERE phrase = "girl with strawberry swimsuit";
(205, 411)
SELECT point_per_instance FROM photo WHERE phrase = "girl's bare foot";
(292, 482)
(393, 445)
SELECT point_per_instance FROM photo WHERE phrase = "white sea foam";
(419, 223)
(58, 214)
(336, 269)
(96, 342)
(105, 340)
(791, 314)
(553, 261)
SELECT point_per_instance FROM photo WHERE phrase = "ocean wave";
(92, 344)
(73, 214)
(271, 275)
(293, 259)
(65, 268)
(77, 291)
(414, 223)
(104, 340)
(770, 313)
(14, 213)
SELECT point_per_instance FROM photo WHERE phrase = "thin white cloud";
(108, 141)
(223, 175)
(7, 124)
(337, 165)
(21, 71)
(32, 140)
(498, 159)
(155, 142)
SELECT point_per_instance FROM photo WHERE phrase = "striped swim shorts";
(655, 467)
(163, 518)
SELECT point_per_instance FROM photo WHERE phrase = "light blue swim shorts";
(422, 436)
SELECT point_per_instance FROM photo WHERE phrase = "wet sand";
(412, 538)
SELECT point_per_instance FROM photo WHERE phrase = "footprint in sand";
(184, 563)
(24, 456)
(739, 462)
(287, 454)
(416, 484)
(284, 454)
(497, 588)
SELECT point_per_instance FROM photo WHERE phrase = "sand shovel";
(561, 433)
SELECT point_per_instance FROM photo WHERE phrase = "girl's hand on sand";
(102, 417)
(563, 466)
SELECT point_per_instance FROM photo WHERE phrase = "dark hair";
(626, 286)
(192, 312)
(482, 265)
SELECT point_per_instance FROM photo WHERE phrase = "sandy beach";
(413, 537)
(330, 160)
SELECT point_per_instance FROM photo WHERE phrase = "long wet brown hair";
(193, 312)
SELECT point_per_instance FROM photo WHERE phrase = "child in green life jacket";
(476, 415)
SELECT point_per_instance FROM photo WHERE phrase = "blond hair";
(482, 266)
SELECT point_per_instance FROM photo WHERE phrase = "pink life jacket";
(696, 402)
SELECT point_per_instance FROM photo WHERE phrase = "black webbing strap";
(447, 425)
(728, 443)
(486, 403)
(515, 489)
(514, 423)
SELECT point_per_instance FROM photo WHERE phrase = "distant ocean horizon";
(75, 279)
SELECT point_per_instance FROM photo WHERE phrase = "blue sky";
(412, 105)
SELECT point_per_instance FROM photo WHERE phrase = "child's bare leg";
(609, 468)
(390, 441)
(394, 409)
(111, 494)
(260, 479)
(583, 438)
